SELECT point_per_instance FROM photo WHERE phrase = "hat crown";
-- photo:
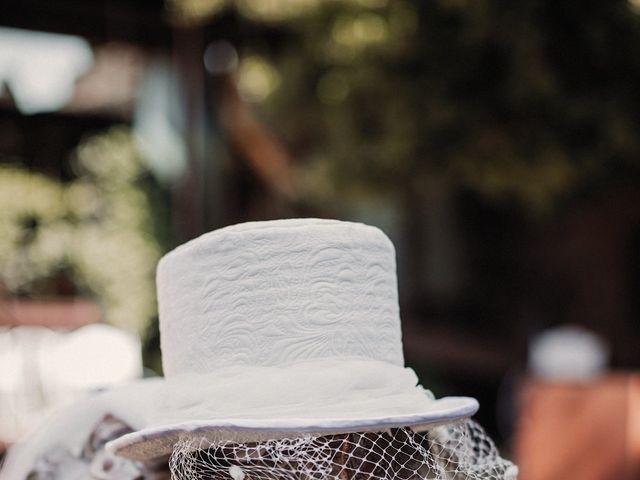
(279, 292)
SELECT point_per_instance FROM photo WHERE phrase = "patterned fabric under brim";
(457, 451)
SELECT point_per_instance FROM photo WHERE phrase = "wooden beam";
(73, 313)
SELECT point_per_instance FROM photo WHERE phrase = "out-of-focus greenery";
(95, 232)
(528, 100)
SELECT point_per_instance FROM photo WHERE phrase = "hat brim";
(151, 443)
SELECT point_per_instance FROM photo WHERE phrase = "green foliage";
(526, 100)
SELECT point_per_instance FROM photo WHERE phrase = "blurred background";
(496, 142)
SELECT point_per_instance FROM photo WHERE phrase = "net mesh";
(450, 452)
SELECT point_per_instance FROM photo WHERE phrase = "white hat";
(276, 329)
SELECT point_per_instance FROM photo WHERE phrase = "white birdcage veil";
(458, 451)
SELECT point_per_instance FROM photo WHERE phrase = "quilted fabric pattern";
(275, 293)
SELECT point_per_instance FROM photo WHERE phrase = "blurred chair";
(577, 420)
(92, 358)
(589, 431)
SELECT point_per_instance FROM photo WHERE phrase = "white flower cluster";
(97, 229)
